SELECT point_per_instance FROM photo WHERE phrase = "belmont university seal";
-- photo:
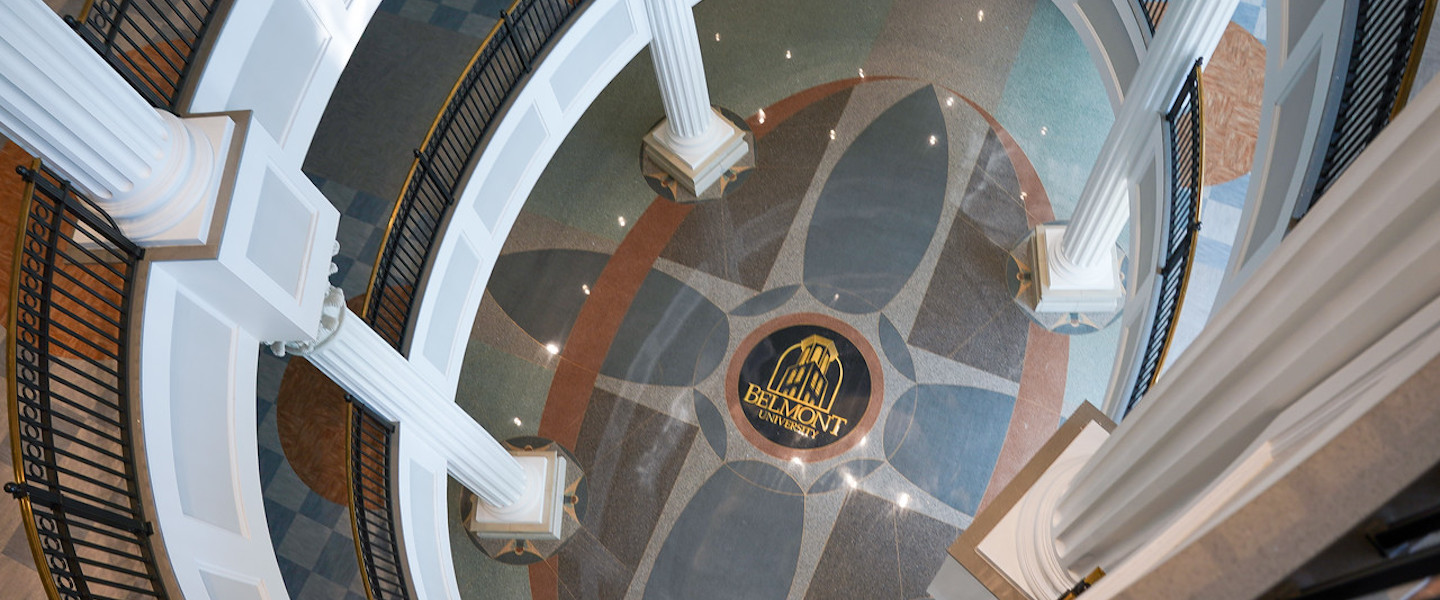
(801, 386)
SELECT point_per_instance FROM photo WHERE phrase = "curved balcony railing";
(1383, 58)
(372, 505)
(1152, 9)
(441, 161)
(153, 44)
(1184, 132)
(70, 401)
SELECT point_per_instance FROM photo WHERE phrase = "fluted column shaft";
(1189, 29)
(675, 50)
(360, 361)
(1090, 532)
(61, 102)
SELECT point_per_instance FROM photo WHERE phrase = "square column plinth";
(697, 173)
(537, 514)
(1100, 292)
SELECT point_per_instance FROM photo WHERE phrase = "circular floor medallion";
(804, 386)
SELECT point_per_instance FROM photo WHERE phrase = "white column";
(694, 143)
(1358, 278)
(156, 174)
(359, 360)
(1079, 272)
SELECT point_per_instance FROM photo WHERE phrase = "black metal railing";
(455, 138)
(153, 44)
(1388, 39)
(1152, 9)
(1403, 556)
(372, 506)
(69, 398)
(1185, 132)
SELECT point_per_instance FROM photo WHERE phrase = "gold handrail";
(27, 511)
(1427, 14)
(350, 485)
(425, 143)
(1194, 219)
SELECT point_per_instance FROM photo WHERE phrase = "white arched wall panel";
(197, 379)
(424, 526)
(282, 59)
(1116, 36)
(1148, 230)
(1297, 83)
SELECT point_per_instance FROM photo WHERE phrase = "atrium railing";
(372, 506)
(69, 398)
(493, 75)
(1152, 9)
(1184, 129)
(152, 43)
(1389, 39)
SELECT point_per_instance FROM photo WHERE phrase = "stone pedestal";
(697, 167)
(1096, 289)
(538, 513)
(694, 144)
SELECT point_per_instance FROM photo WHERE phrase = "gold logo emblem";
(802, 388)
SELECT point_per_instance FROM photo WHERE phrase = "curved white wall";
(1116, 35)
(281, 59)
(1299, 66)
(600, 42)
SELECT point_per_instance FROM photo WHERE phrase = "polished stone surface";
(878, 549)
(877, 212)
(672, 335)
(543, 290)
(932, 421)
(738, 538)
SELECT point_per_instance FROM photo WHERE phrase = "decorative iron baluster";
(372, 506)
(455, 139)
(1388, 40)
(152, 44)
(75, 464)
(1185, 133)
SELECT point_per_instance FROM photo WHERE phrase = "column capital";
(332, 317)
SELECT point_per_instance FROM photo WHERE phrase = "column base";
(194, 189)
(537, 515)
(1102, 293)
(697, 173)
(1009, 547)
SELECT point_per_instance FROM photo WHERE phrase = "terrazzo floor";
(890, 203)
(903, 150)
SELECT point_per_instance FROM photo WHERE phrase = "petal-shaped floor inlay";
(880, 550)
(672, 335)
(880, 207)
(543, 290)
(968, 314)
(738, 239)
(712, 424)
(846, 475)
(963, 424)
(765, 302)
(734, 540)
(631, 456)
(992, 199)
(895, 349)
